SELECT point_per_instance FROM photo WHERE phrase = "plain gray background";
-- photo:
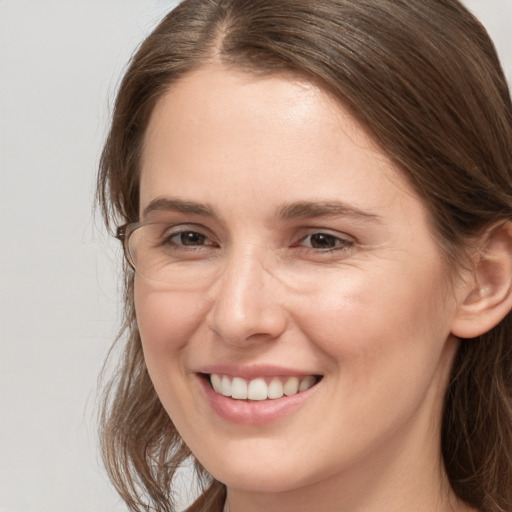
(60, 63)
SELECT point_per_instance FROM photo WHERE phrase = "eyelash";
(340, 243)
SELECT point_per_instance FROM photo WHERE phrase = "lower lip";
(257, 412)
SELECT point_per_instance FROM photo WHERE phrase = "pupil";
(323, 241)
(192, 238)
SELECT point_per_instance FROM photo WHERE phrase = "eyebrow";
(311, 209)
(291, 211)
(178, 205)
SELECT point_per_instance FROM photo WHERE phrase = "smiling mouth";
(261, 388)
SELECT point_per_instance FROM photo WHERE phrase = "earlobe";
(487, 297)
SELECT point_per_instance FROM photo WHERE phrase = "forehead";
(223, 130)
(214, 94)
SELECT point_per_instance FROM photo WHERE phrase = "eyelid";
(178, 227)
(310, 231)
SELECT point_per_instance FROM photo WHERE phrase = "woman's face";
(296, 255)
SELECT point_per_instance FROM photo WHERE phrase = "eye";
(188, 238)
(325, 242)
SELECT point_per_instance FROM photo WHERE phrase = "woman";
(315, 202)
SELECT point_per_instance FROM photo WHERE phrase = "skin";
(373, 317)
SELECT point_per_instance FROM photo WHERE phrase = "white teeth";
(239, 388)
(275, 388)
(216, 381)
(291, 387)
(258, 389)
(226, 386)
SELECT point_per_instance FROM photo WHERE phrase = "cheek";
(386, 349)
(376, 324)
(166, 319)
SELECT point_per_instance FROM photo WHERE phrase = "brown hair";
(424, 79)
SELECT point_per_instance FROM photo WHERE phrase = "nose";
(246, 302)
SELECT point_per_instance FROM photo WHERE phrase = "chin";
(261, 480)
(262, 475)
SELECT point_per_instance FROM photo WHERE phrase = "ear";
(486, 296)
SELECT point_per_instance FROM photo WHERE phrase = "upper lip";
(254, 371)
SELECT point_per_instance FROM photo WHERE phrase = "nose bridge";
(244, 298)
